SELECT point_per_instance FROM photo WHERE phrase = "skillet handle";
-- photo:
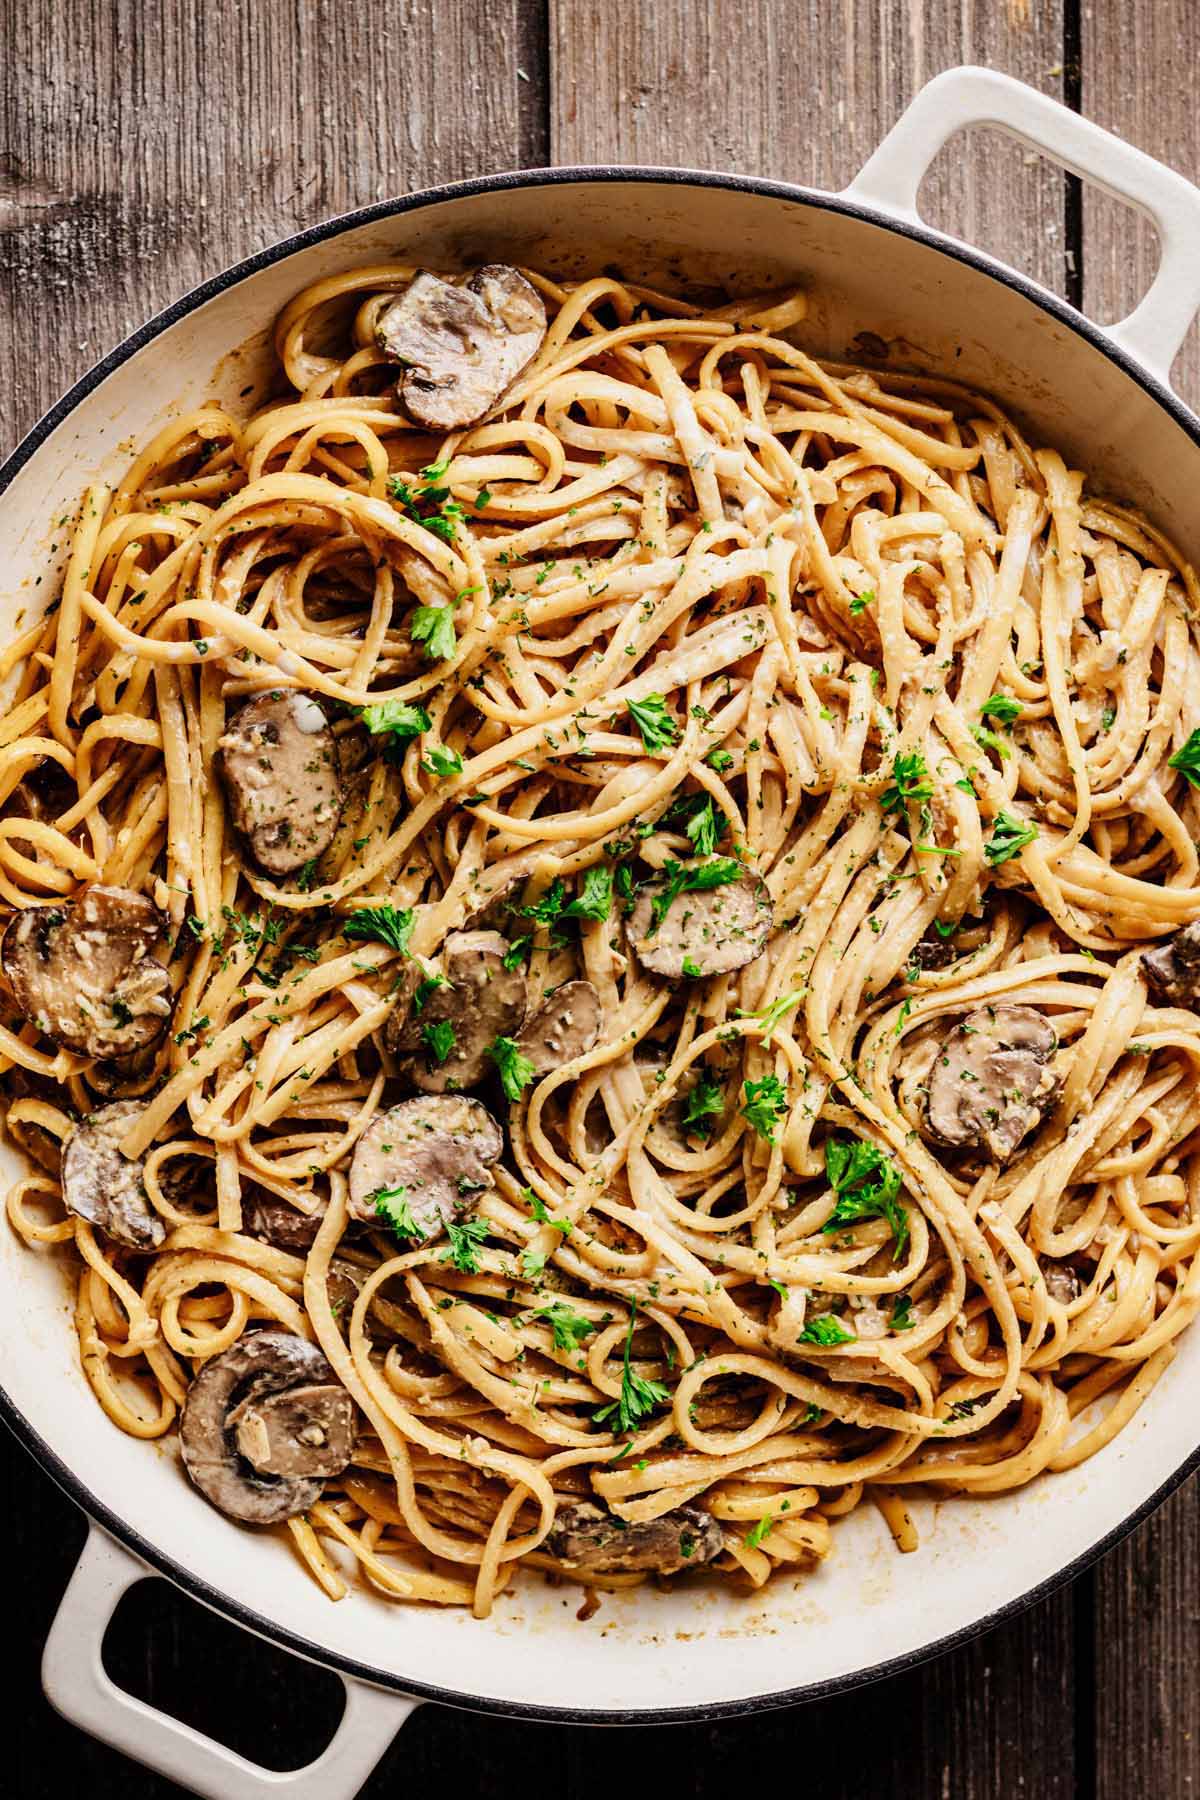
(959, 98)
(77, 1686)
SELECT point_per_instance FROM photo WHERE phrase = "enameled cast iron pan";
(1103, 397)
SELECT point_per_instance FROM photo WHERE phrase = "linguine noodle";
(710, 598)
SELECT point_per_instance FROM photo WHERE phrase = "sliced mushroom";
(492, 901)
(278, 1222)
(589, 1538)
(482, 1000)
(263, 1427)
(44, 793)
(279, 763)
(993, 1083)
(1173, 968)
(84, 973)
(1062, 1281)
(463, 343)
(303, 1431)
(932, 951)
(563, 1027)
(103, 1185)
(438, 1150)
(712, 932)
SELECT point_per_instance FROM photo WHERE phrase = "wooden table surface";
(144, 147)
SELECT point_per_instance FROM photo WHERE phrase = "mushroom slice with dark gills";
(83, 971)
(704, 930)
(594, 1541)
(431, 1153)
(1173, 968)
(463, 343)
(103, 1185)
(264, 1426)
(563, 1027)
(448, 1030)
(277, 1222)
(279, 763)
(993, 1082)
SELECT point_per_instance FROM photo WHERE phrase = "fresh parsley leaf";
(1187, 760)
(1001, 707)
(705, 1101)
(720, 760)
(442, 762)
(433, 627)
(766, 1103)
(826, 1330)
(382, 924)
(514, 1068)
(989, 740)
(465, 1240)
(547, 909)
(777, 1010)
(393, 1208)
(659, 730)
(867, 1184)
(398, 718)
(1108, 718)
(429, 505)
(425, 990)
(755, 1536)
(910, 783)
(638, 1397)
(517, 952)
(902, 1319)
(532, 1265)
(706, 827)
(690, 878)
(569, 1327)
(439, 1041)
(860, 602)
(1009, 837)
(595, 898)
(692, 969)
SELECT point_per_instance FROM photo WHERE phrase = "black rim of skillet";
(16, 1421)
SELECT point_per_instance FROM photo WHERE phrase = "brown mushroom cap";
(439, 1149)
(482, 1000)
(589, 1538)
(266, 1216)
(106, 1187)
(464, 343)
(1173, 968)
(992, 1082)
(563, 1027)
(714, 931)
(279, 764)
(264, 1425)
(302, 1431)
(84, 973)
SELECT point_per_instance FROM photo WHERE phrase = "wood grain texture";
(143, 148)
(1136, 72)
(1134, 78)
(803, 90)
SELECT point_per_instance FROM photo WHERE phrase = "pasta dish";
(601, 958)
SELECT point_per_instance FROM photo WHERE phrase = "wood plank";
(1147, 1710)
(137, 157)
(1135, 80)
(804, 92)
(660, 82)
